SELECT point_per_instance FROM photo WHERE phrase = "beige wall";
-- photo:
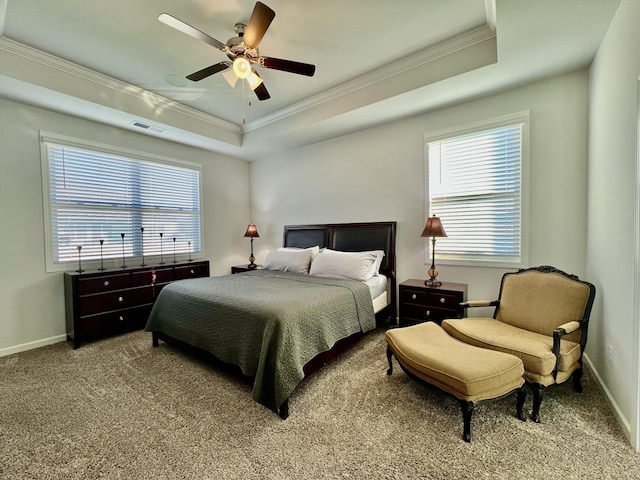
(32, 301)
(613, 236)
(378, 175)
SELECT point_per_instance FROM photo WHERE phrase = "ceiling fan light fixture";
(242, 67)
(254, 80)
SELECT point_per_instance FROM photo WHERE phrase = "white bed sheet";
(378, 286)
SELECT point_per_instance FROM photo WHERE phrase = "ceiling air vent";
(148, 127)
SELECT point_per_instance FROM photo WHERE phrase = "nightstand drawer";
(418, 313)
(422, 303)
(442, 299)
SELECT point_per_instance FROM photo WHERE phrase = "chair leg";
(467, 412)
(537, 400)
(521, 396)
(389, 355)
(577, 380)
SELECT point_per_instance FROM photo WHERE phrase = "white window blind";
(96, 196)
(475, 187)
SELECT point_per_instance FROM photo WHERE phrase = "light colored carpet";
(119, 408)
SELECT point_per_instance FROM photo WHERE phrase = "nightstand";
(420, 303)
(242, 268)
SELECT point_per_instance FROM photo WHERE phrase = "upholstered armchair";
(542, 317)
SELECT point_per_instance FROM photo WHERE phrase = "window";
(475, 185)
(95, 194)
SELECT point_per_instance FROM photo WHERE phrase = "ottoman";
(471, 374)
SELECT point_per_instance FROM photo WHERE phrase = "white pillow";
(288, 261)
(314, 250)
(375, 270)
(353, 265)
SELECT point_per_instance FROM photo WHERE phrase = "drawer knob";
(192, 271)
(428, 313)
(414, 296)
(120, 299)
(106, 283)
(442, 300)
(121, 318)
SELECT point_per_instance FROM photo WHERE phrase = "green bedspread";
(268, 323)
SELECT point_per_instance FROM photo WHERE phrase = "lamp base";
(252, 266)
(433, 273)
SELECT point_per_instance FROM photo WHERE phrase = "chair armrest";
(480, 303)
(568, 327)
(558, 333)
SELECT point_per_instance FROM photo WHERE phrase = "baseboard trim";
(31, 345)
(622, 420)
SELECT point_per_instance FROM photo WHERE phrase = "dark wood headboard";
(351, 237)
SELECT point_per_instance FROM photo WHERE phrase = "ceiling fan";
(242, 51)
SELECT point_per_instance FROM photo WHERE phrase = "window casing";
(477, 184)
(95, 193)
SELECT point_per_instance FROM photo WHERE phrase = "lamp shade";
(433, 228)
(252, 231)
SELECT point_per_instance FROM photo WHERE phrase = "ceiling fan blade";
(262, 92)
(189, 30)
(260, 20)
(206, 72)
(288, 66)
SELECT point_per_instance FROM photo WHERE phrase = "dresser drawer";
(163, 275)
(117, 300)
(192, 271)
(111, 323)
(142, 278)
(104, 283)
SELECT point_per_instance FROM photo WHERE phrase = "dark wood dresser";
(419, 303)
(100, 304)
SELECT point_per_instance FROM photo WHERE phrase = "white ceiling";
(376, 60)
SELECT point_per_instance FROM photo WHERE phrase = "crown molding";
(419, 59)
(416, 60)
(78, 71)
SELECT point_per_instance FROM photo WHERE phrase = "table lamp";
(252, 232)
(433, 229)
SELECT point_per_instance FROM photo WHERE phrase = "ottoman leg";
(389, 355)
(467, 411)
(521, 396)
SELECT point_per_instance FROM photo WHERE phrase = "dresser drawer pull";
(442, 300)
(106, 283)
(192, 271)
(120, 299)
(414, 296)
(428, 313)
(121, 318)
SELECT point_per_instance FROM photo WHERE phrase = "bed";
(280, 324)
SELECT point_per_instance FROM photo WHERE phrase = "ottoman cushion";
(469, 373)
